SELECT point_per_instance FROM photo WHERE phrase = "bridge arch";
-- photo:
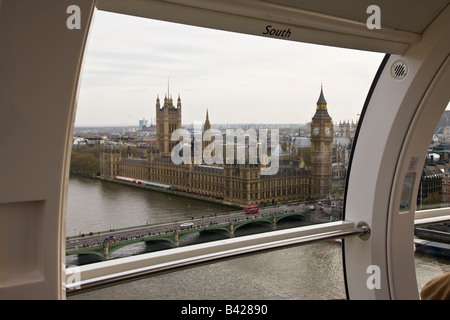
(279, 217)
(242, 223)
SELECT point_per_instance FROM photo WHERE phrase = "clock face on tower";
(327, 131)
(316, 131)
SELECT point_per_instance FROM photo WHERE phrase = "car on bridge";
(186, 225)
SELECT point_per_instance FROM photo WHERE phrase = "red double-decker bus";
(251, 209)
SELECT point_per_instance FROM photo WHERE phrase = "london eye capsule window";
(187, 135)
(182, 129)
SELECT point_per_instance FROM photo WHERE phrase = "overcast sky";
(238, 78)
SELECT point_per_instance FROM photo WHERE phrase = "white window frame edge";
(385, 145)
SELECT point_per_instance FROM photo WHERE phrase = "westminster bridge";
(103, 244)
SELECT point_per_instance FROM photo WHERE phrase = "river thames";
(312, 271)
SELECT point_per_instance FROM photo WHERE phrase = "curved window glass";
(187, 135)
(432, 240)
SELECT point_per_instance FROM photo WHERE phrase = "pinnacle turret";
(321, 100)
(321, 110)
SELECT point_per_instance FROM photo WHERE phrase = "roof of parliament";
(321, 97)
(321, 110)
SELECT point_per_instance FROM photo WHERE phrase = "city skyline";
(131, 61)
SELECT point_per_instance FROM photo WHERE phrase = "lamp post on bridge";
(105, 250)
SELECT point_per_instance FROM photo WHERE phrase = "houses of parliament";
(229, 183)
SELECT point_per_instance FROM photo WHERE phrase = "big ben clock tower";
(321, 150)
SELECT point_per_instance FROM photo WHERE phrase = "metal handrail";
(431, 216)
(103, 273)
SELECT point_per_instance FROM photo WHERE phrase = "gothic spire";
(321, 109)
(179, 102)
(207, 124)
(321, 100)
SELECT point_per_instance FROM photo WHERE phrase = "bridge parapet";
(174, 237)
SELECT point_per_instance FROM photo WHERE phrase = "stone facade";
(236, 184)
(321, 150)
(168, 119)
